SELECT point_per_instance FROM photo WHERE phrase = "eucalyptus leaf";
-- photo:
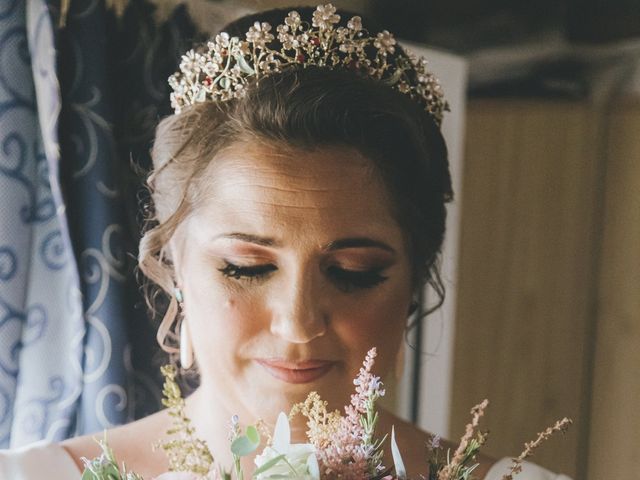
(253, 435)
(246, 444)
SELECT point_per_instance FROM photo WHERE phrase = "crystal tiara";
(222, 70)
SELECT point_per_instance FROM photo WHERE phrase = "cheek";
(370, 324)
(223, 323)
(230, 316)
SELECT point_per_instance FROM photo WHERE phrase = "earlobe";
(174, 256)
(413, 307)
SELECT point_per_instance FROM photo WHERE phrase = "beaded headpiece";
(222, 70)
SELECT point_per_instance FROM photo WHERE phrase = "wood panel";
(615, 433)
(528, 254)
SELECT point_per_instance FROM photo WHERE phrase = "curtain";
(41, 326)
(78, 106)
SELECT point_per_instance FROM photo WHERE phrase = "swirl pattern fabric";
(41, 326)
(112, 74)
(69, 303)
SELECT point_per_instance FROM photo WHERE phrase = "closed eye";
(238, 272)
(347, 280)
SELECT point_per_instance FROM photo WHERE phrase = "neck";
(211, 418)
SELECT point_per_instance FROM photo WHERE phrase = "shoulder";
(131, 444)
(36, 461)
(412, 442)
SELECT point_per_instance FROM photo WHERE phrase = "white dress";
(49, 461)
(38, 461)
(530, 471)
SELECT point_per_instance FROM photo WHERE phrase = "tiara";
(223, 68)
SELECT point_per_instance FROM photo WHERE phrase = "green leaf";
(247, 443)
(112, 471)
(87, 475)
(253, 435)
(244, 66)
(267, 465)
(401, 471)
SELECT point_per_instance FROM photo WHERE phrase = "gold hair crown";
(228, 64)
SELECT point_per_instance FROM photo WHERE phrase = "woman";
(299, 207)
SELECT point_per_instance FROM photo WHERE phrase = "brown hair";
(305, 108)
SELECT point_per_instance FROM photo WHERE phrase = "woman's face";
(292, 267)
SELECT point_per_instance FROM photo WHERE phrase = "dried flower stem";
(449, 470)
(516, 466)
(186, 453)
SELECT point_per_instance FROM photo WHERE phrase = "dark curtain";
(112, 73)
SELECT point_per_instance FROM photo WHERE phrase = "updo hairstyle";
(307, 108)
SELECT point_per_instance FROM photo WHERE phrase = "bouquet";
(340, 446)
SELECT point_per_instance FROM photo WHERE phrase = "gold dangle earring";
(186, 349)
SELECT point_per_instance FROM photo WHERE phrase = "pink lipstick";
(296, 372)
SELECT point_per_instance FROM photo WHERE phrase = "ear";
(175, 253)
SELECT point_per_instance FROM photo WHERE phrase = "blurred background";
(542, 262)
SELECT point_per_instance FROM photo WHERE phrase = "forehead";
(265, 186)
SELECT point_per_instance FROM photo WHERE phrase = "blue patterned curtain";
(77, 351)
(41, 325)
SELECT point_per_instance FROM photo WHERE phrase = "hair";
(307, 108)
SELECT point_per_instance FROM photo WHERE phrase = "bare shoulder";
(412, 442)
(131, 444)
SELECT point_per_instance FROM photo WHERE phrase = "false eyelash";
(237, 272)
(346, 280)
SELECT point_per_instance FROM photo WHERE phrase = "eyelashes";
(235, 271)
(348, 280)
(345, 280)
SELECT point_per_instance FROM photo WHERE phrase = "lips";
(296, 372)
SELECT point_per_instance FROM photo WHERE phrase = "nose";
(298, 315)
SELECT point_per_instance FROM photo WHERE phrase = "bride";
(299, 206)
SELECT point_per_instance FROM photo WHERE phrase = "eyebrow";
(358, 242)
(247, 237)
(351, 242)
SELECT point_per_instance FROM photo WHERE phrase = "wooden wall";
(529, 277)
(614, 440)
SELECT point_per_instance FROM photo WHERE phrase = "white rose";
(297, 461)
